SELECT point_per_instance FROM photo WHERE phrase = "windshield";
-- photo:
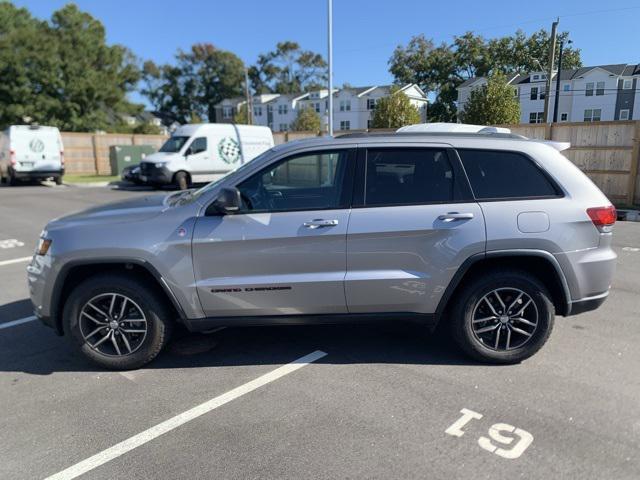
(174, 144)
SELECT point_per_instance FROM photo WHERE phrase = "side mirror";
(228, 202)
(188, 152)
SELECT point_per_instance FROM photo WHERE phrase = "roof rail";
(441, 127)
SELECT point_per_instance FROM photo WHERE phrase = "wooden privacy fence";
(89, 152)
(608, 152)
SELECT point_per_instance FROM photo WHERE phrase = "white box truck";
(31, 152)
(203, 153)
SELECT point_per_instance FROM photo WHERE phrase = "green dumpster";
(121, 156)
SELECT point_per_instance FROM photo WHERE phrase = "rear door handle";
(319, 222)
(453, 216)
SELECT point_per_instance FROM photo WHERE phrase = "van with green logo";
(31, 152)
(201, 153)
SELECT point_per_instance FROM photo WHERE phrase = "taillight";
(12, 157)
(603, 217)
(62, 158)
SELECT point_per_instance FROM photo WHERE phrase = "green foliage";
(241, 117)
(201, 78)
(288, 69)
(394, 111)
(438, 70)
(492, 104)
(307, 121)
(62, 72)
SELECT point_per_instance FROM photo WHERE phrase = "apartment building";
(352, 106)
(587, 94)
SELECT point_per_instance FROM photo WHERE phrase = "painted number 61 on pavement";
(501, 433)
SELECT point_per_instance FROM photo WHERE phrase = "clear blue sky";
(365, 32)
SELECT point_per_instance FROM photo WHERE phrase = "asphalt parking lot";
(372, 401)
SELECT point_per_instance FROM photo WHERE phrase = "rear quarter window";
(501, 174)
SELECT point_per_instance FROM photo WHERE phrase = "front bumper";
(151, 174)
(36, 174)
(38, 271)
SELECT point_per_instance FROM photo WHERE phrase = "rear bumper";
(29, 174)
(589, 273)
(587, 304)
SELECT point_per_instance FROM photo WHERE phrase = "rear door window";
(409, 176)
(502, 174)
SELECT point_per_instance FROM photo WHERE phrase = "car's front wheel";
(118, 322)
(182, 180)
(505, 316)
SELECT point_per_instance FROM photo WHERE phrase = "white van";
(31, 152)
(203, 153)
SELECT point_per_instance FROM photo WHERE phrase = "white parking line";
(14, 323)
(15, 260)
(174, 422)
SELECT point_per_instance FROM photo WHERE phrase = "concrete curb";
(87, 184)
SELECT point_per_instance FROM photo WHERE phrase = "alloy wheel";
(504, 319)
(113, 324)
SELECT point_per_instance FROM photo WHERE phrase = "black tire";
(159, 321)
(468, 299)
(58, 180)
(182, 180)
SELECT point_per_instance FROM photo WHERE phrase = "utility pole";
(330, 59)
(552, 56)
(249, 98)
(557, 99)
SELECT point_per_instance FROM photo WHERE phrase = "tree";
(433, 69)
(62, 72)
(395, 111)
(439, 70)
(288, 69)
(307, 121)
(200, 79)
(95, 77)
(492, 104)
(241, 117)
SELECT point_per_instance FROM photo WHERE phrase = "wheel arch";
(540, 263)
(75, 272)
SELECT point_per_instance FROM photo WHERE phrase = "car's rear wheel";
(58, 179)
(117, 322)
(182, 180)
(502, 317)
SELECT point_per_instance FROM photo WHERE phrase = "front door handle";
(453, 216)
(319, 222)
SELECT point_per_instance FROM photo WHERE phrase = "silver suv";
(493, 234)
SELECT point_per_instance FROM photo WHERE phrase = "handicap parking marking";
(171, 424)
(11, 243)
(15, 323)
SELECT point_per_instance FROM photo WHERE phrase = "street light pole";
(330, 59)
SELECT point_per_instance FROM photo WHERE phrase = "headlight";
(43, 246)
